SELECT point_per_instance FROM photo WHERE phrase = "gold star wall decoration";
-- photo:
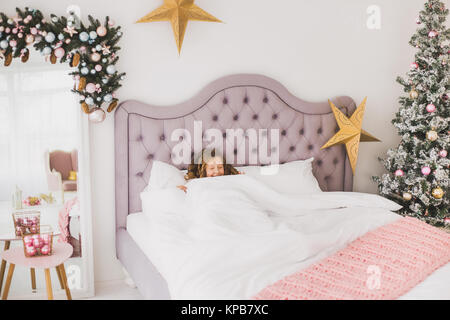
(350, 133)
(178, 12)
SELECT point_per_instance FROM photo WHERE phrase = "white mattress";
(436, 286)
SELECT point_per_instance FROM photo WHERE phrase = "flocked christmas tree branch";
(91, 49)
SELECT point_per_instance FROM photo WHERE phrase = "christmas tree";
(418, 169)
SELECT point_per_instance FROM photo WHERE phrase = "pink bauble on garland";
(443, 153)
(431, 108)
(95, 57)
(90, 88)
(59, 52)
(399, 173)
(98, 68)
(414, 65)
(101, 31)
(33, 31)
(426, 170)
(13, 43)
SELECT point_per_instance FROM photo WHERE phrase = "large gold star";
(350, 132)
(178, 12)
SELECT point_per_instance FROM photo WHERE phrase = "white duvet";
(229, 237)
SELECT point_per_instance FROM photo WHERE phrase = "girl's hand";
(184, 188)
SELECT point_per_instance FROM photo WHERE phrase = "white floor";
(115, 290)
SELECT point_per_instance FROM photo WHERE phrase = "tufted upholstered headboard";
(143, 132)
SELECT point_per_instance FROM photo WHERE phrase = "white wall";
(317, 49)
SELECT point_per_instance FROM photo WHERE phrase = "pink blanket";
(64, 219)
(383, 264)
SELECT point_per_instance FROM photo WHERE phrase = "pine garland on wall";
(91, 49)
(419, 174)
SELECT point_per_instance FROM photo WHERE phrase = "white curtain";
(37, 112)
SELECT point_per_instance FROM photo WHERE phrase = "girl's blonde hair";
(197, 168)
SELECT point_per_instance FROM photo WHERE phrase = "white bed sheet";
(436, 286)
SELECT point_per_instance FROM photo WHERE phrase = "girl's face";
(214, 167)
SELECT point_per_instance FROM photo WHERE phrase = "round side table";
(8, 238)
(61, 252)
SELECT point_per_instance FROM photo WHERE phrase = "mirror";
(44, 167)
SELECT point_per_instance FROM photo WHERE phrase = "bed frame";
(143, 134)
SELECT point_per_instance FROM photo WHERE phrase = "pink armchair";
(58, 165)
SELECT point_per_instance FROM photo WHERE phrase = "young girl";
(209, 164)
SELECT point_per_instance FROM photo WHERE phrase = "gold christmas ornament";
(178, 12)
(413, 94)
(53, 58)
(25, 56)
(75, 60)
(407, 196)
(112, 106)
(437, 193)
(432, 135)
(8, 60)
(85, 107)
(81, 84)
(350, 133)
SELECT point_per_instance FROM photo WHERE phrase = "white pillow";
(164, 175)
(294, 177)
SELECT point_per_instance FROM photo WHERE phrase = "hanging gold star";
(178, 12)
(350, 132)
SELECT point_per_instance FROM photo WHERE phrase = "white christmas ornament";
(50, 37)
(111, 69)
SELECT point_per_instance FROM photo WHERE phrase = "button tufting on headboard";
(143, 133)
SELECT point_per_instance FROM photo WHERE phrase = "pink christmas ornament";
(15, 30)
(7, 30)
(432, 34)
(399, 173)
(443, 153)
(431, 108)
(45, 250)
(98, 68)
(33, 31)
(31, 251)
(101, 31)
(414, 65)
(20, 35)
(13, 43)
(426, 170)
(37, 243)
(27, 240)
(95, 57)
(59, 52)
(90, 88)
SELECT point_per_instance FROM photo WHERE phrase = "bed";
(143, 135)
